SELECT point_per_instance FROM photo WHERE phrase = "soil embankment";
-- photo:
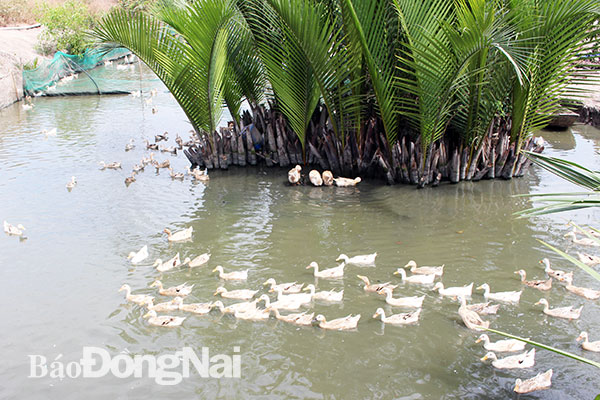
(17, 48)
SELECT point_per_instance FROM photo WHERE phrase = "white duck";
(418, 279)
(139, 256)
(287, 288)
(501, 346)
(180, 236)
(398, 319)
(375, 287)
(539, 284)
(162, 307)
(231, 276)
(582, 242)
(464, 291)
(471, 319)
(437, 271)
(13, 230)
(168, 265)
(557, 274)
(302, 319)
(339, 324)
(346, 182)
(539, 382)
(241, 294)
(330, 295)
(587, 345)
(163, 320)
(507, 297)
(282, 304)
(72, 183)
(253, 315)
(130, 145)
(366, 259)
(294, 175)
(140, 299)
(302, 298)
(411, 302)
(315, 178)
(588, 259)
(112, 165)
(569, 312)
(176, 175)
(179, 290)
(336, 272)
(523, 360)
(484, 308)
(49, 133)
(327, 178)
(242, 307)
(198, 261)
(196, 308)
(587, 293)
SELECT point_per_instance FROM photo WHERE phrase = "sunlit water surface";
(59, 287)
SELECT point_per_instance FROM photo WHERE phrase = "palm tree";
(398, 84)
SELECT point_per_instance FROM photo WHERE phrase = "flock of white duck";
(318, 179)
(291, 296)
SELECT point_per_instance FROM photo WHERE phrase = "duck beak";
(271, 290)
(215, 293)
(146, 315)
(484, 358)
(396, 273)
(308, 267)
(478, 340)
(214, 270)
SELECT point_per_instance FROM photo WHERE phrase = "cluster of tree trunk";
(264, 137)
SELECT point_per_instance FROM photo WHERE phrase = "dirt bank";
(17, 47)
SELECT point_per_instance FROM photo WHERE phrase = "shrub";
(65, 27)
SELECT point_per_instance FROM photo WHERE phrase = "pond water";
(59, 287)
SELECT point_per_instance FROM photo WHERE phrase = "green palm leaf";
(368, 23)
(186, 48)
(546, 347)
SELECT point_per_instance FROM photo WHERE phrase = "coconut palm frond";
(186, 51)
(554, 33)
(321, 42)
(289, 71)
(560, 202)
(568, 170)
(369, 26)
(431, 70)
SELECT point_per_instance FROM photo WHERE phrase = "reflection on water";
(60, 285)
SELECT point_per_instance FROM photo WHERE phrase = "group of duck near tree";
(295, 178)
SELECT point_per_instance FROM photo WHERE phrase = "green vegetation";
(64, 27)
(430, 69)
(572, 172)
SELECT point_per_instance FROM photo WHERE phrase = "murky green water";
(59, 287)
